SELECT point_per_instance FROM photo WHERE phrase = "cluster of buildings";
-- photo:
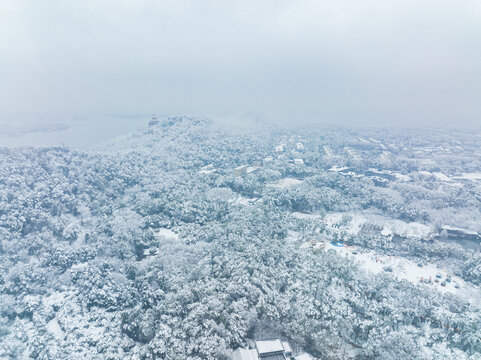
(269, 349)
(281, 150)
(315, 245)
(380, 178)
(296, 146)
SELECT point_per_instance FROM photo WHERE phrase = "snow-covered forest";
(189, 238)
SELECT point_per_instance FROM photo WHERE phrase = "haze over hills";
(370, 63)
(309, 187)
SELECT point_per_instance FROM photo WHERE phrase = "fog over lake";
(81, 132)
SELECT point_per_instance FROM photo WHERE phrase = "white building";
(267, 160)
(280, 148)
(269, 349)
(245, 354)
(274, 349)
(298, 161)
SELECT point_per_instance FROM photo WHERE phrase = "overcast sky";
(363, 62)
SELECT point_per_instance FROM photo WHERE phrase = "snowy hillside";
(184, 240)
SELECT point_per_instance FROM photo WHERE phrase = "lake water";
(73, 132)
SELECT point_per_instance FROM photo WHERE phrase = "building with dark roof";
(268, 349)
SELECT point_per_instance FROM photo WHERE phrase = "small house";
(455, 232)
(280, 148)
(267, 160)
(269, 349)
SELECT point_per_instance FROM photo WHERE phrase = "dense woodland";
(87, 270)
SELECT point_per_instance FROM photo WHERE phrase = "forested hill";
(154, 248)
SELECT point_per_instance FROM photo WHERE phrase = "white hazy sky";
(372, 61)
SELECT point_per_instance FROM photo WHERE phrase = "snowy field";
(286, 183)
(389, 226)
(404, 269)
(356, 220)
(241, 200)
(300, 215)
(167, 233)
(476, 176)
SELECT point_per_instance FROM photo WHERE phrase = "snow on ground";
(54, 327)
(167, 233)
(389, 226)
(385, 156)
(404, 269)
(207, 171)
(411, 229)
(286, 182)
(241, 200)
(442, 177)
(469, 176)
(353, 227)
(402, 177)
(351, 152)
(54, 298)
(300, 215)
(304, 356)
(455, 184)
(438, 175)
(292, 236)
(337, 168)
